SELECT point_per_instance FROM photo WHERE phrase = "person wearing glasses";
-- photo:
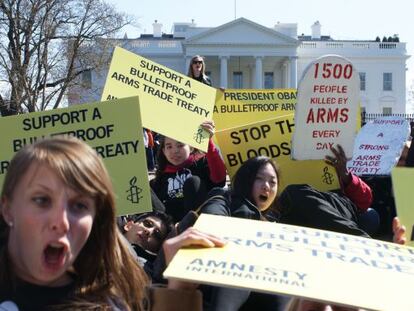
(197, 70)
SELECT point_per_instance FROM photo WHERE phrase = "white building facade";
(244, 54)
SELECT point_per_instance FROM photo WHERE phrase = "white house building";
(244, 54)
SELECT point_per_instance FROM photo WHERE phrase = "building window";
(268, 80)
(362, 81)
(387, 81)
(386, 110)
(87, 79)
(237, 80)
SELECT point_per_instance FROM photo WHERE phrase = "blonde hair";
(190, 67)
(104, 267)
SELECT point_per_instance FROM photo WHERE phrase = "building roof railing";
(360, 45)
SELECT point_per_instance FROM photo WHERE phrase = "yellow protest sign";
(299, 261)
(402, 180)
(112, 128)
(272, 138)
(171, 103)
(237, 107)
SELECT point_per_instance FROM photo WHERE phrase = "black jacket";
(302, 205)
(169, 188)
(30, 297)
(222, 202)
(204, 79)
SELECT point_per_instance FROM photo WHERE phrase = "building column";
(187, 63)
(259, 72)
(285, 75)
(293, 69)
(223, 71)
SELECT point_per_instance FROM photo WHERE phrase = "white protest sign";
(378, 146)
(327, 108)
(298, 261)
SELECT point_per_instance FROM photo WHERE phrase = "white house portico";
(249, 48)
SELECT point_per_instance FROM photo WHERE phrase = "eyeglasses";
(197, 62)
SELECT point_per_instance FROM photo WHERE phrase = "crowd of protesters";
(62, 248)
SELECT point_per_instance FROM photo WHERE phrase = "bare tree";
(46, 44)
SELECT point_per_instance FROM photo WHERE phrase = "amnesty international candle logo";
(134, 192)
(327, 177)
(199, 136)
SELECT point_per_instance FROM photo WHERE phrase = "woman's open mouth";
(54, 255)
(263, 197)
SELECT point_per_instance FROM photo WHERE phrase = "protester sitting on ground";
(355, 189)
(253, 195)
(197, 70)
(177, 163)
(59, 245)
(253, 191)
(146, 232)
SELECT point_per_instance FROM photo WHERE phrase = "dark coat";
(222, 202)
(204, 79)
(302, 205)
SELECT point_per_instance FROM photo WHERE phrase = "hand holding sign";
(399, 231)
(209, 127)
(190, 237)
(338, 161)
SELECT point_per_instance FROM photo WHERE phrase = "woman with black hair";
(253, 195)
(177, 165)
(253, 191)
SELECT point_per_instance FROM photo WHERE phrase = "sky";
(341, 19)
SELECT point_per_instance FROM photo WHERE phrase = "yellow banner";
(402, 180)
(235, 107)
(112, 128)
(272, 138)
(299, 261)
(171, 103)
